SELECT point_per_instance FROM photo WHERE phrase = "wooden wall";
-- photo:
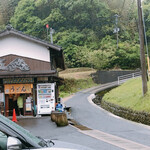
(35, 65)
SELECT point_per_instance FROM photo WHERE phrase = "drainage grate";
(77, 125)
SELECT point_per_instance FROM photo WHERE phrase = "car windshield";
(25, 134)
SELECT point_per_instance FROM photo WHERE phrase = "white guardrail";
(124, 78)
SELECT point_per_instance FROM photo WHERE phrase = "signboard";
(18, 88)
(1, 97)
(18, 80)
(28, 107)
(45, 98)
(116, 30)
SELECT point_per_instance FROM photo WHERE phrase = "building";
(25, 63)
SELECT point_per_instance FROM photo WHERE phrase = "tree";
(7, 8)
(84, 28)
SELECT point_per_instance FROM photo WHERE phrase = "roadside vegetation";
(76, 79)
(85, 29)
(129, 95)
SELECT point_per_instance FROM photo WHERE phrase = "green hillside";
(129, 95)
(85, 29)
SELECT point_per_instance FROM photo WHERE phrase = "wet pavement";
(107, 131)
(47, 129)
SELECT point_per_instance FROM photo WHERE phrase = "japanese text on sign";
(18, 88)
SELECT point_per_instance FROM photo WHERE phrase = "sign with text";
(18, 88)
(28, 107)
(1, 97)
(18, 80)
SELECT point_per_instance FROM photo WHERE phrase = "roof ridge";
(10, 30)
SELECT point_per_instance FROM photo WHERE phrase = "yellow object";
(20, 102)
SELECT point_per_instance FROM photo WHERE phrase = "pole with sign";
(52, 31)
(47, 27)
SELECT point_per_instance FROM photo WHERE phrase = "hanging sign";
(18, 88)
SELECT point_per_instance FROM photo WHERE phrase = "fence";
(122, 79)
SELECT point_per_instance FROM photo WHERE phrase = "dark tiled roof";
(54, 48)
(28, 74)
(10, 30)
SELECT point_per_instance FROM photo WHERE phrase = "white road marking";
(92, 96)
(114, 140)
(111, 139)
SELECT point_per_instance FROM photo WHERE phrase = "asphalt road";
(108, 132)
(87, 114)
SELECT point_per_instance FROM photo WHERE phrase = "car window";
(3, 141)
(21, 131)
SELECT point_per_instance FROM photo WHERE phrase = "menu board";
(1, 97)
(44, 91)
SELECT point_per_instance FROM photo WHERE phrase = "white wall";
(23, 47)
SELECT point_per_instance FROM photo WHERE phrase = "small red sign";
(47, 26)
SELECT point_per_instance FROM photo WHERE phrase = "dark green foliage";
(68, 83)
(7, 8)
(73, 85)
(127, 56)
(84, 28)
(146, 13)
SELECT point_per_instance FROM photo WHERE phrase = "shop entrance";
(20, 98)
(10, 105)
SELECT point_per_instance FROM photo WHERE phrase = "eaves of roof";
(34, 39)
(28, 74)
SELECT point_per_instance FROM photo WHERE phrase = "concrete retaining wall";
(127, 113)
(102, 77)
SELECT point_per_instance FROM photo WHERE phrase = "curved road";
(108, 132)
(105, 126)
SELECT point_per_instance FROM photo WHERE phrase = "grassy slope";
(76, 79)
(129, 95)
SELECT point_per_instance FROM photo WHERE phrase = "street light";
(116, 29)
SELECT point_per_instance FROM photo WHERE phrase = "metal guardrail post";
(118, 80)
(124, 78)
(132, 75)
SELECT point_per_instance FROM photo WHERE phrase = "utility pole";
(145, 41)
(52, 31)
(142, 53)
(116, 29)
